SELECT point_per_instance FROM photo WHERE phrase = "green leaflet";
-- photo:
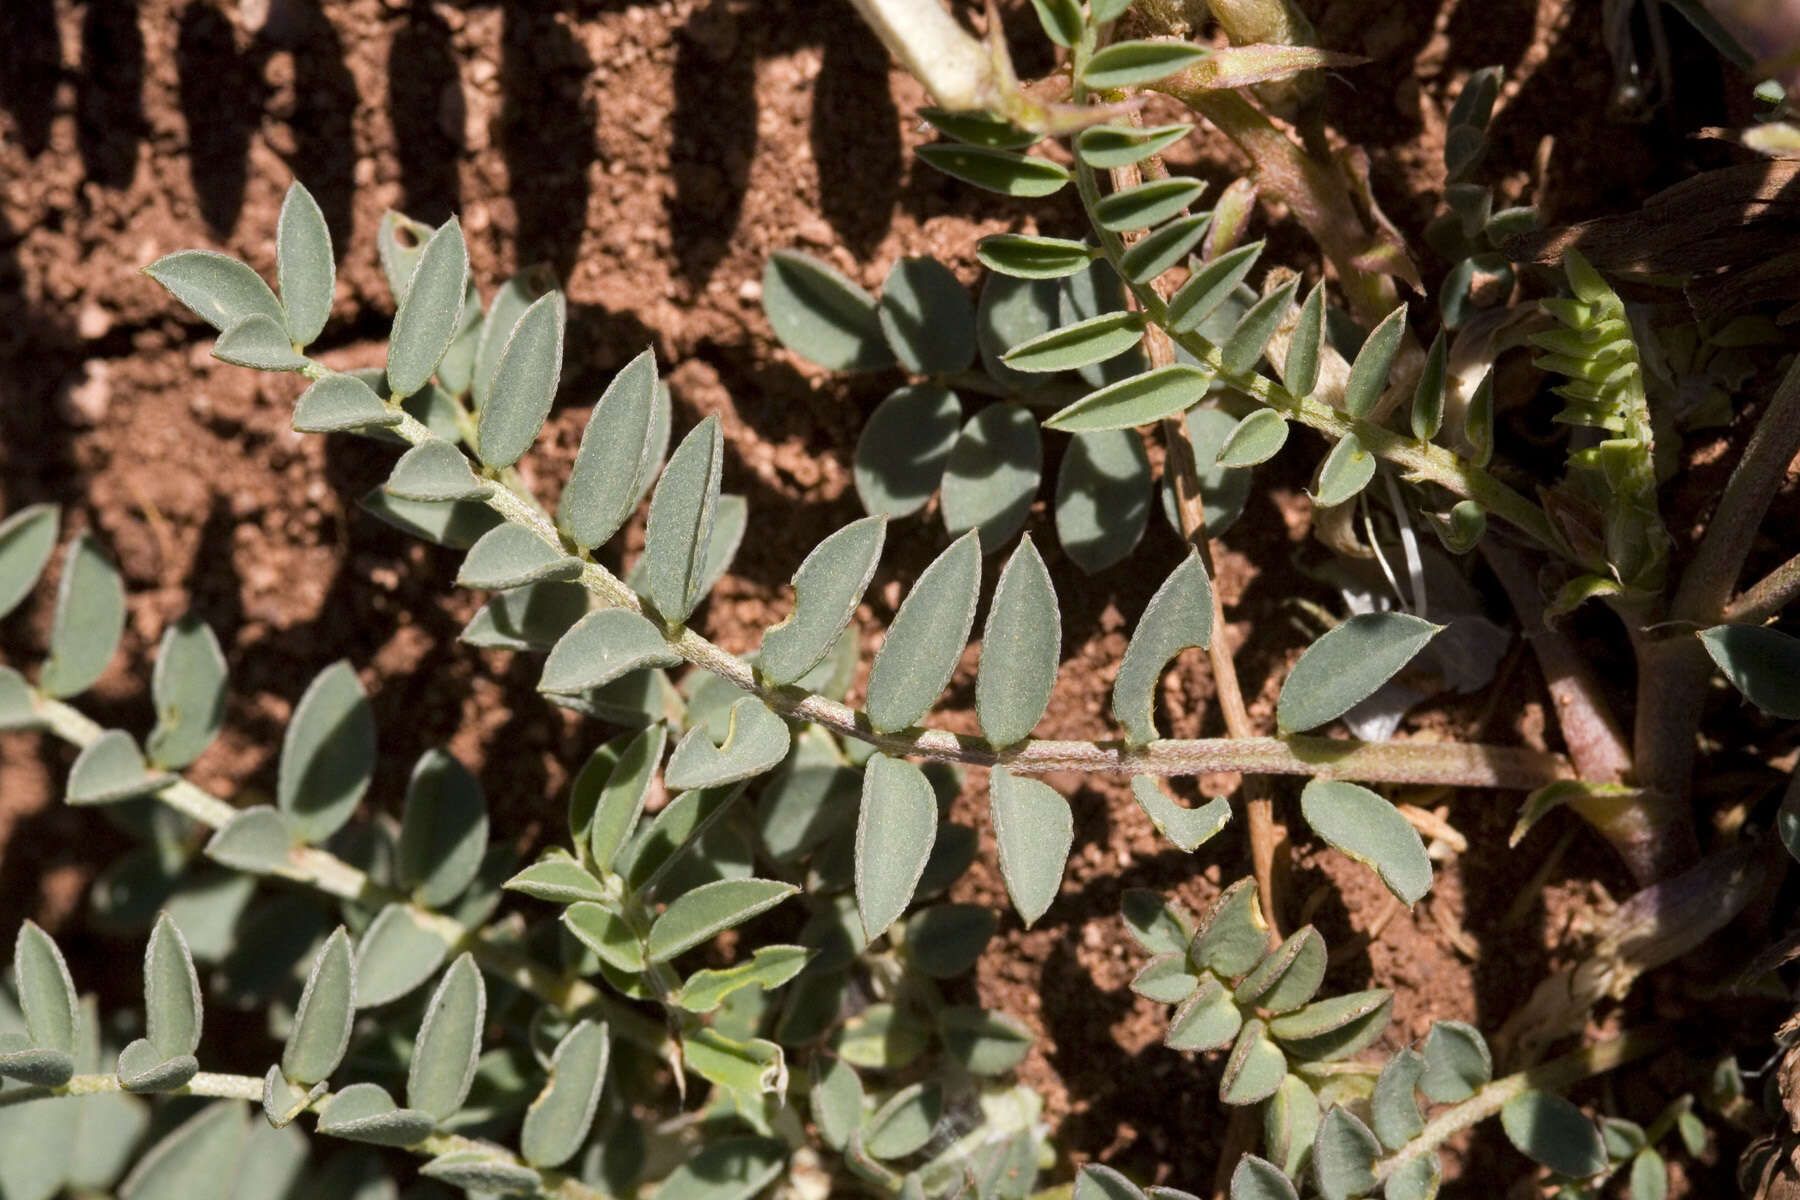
(1288, 976)
(510, 556)
(111, 769)
(459, 524)
(188, 689)
(1061, 19)
(1418, 1179)
(510, 302)
(926, 317)
(523, 384)
(364, 1112)
(895, 827)
(1096, 1182)
(836, 1099)
(710, 909)
(1428, 396)
(1344, 1154)
(1367, 828)
(926, 638)
(1762, 663)
(1290, 1122)
(904, 1124)
(1147, 204)
(334, 403)
(1300, 373)
(427, 317)
(1478, 431)
(456, 370)
(1552, 1131)
(396, 955)
(443, 831)
(992, 474)
(821, 314)
(1155, 394)
(979, 128)
(944, 940)
(1255, 1067)
(1034, 829)
(1165, 979)
(903, 448)
(399, 240)
(1104, 147)
(1335, 1028)
(303, 264)
(171, 992)
(1255, 439)
(558, 1120)
(327, 754)
(143, 1070)
(1002, 171)
(1179, 615)
(88, 621)
(1345, 471)
(1393, 1106)
(558, 878)
(985, 1043)
(1235, 937)
(614, 464)
(1163, 247)
(1347, 665)
(322, 1022)
(436, 471)
(1021, 645)
(478, 1172)
(1456, 1062)
(256, 840)
(621, 792)
(1258, 1179)
(1102, 497)
(27, 538)
(600, 648)
(46, 992)
(1026, 257)
(733, 1168)
(756, 740)
(1094, 340)
(533, 617)
(674, 829)
(601, 929)
(1210, 286)
(1128, 64)
(218, 288)
(18, 708)
(1013, 311)
(1369, 373)
(1244, 348)
(828, 585)
(1188, 828)
(195, 1160)
(449, 1042)
(260, 343)
(680, 525)
(768, 967)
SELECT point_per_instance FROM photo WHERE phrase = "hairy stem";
(1673, 670)
(325, 872)
(1767, 596)
(250, 1088)
(1554, 1075)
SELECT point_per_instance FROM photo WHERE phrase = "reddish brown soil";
(655, 154)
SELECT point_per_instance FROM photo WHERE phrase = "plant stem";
(1673, 670)
(1554, 1075)
(1767, 596)
(1463, 765)
(250, 1088)
(325, 872)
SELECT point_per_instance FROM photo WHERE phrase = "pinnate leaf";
(1034, 829)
